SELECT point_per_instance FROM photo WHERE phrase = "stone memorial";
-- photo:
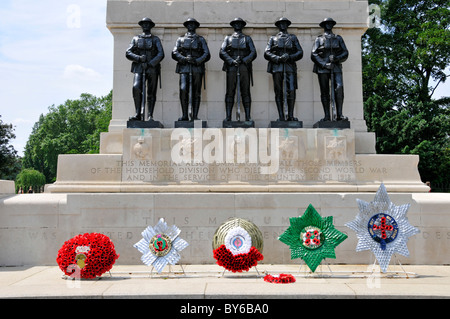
(195, 176)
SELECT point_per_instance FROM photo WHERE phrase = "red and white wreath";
(237, 252)
(89, 255)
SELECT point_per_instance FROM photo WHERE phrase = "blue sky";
(50, 51)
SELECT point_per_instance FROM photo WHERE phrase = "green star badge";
(312, 238)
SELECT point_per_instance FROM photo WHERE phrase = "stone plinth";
(237, 160)
(190, 124)
(286, 124)
(144, 124)
(332, 124)
(7, 187)
(236, 124)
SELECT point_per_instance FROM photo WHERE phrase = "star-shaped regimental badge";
(161, 245)
(382, 227)
(312, 238)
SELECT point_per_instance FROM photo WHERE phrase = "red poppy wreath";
(280, 279)
(237, 245)
(94, 254)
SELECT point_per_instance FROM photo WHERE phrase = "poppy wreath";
(237, 245)
(237, 263)
(281, 279)
(93, 253)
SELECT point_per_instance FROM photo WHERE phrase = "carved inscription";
(289, 170)
(236, 155)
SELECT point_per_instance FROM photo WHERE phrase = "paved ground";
(210, 282)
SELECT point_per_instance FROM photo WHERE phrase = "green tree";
(9, 161)
(30, 178)
(404, 61)
(71, 128)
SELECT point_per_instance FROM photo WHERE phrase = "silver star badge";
(382, 227)
(161, 245)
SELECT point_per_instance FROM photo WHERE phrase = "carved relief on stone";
(288, 147)
(141, 147)
(335, 147)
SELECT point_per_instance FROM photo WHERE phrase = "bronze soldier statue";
(238, 52)
(283, 51)
(146, 52)
(328, 53)
(191, 52)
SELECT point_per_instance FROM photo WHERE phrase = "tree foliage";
(404, 61)
(30, 178)
(9, 162)
(71, 128)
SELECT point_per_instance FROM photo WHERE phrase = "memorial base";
(286, 124)
(144, 124)
(191, 124)
(35, 226)
(332, 124)
(121, 194)
(237, 124)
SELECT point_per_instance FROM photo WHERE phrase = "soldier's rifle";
(333, 98)
(144, 91)
(190, 107)
(238, 83)
(285, 102)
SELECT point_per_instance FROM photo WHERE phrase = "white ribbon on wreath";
(238, 241)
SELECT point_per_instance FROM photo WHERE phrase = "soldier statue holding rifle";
(328, 54)
(283, 51)
(238, 53)
(146, 53)
(191, 52)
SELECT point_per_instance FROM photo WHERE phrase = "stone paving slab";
(211, 282)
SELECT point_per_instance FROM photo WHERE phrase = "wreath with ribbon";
(161, 245)
(237, 245)
(382, 227)
(89, 255)
(312, 238)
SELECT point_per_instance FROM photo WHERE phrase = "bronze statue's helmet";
(189, 20)
(152, 24)
(277, 23)
(327, 20)
(235, 20)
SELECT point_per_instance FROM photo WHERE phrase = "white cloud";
(75, 72)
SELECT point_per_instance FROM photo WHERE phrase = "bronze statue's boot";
(326, 108)
(280, 108)
(247, 108)
(184, 109)
(195, 109)
(291, 104)
(339, 105)
(137, 105)
(228, 109)
(151, 107)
